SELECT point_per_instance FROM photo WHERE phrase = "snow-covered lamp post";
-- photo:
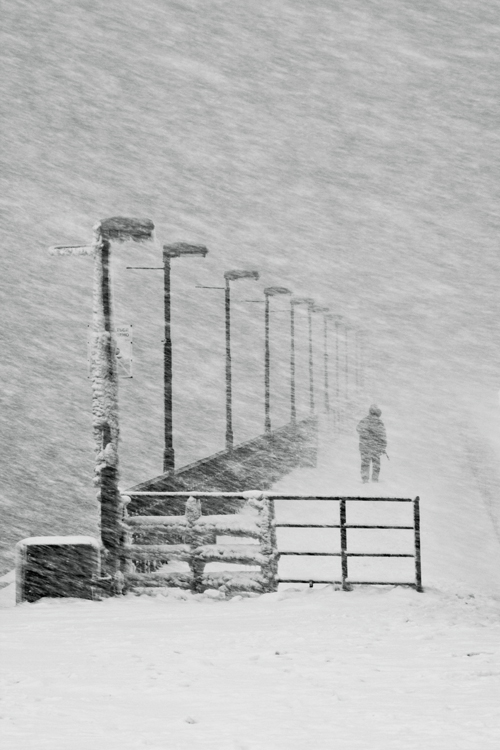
(104, 374)
(231, 276)
(270, 291)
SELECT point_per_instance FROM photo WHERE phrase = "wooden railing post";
(268, 544)
(193, 513)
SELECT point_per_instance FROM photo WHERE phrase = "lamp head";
(183, 248)
(241, 274)
(123, 229)
(303, 301)
(118, 228)
(272, 291)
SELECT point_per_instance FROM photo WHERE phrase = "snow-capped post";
(268, 543)
(105, 379)
(193, 513)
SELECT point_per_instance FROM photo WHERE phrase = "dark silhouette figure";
(372, 443)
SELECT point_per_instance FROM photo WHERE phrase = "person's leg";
(375, 468)
(365, 467)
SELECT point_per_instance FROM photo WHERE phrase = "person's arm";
(383, 435)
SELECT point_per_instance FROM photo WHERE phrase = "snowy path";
(372, 669)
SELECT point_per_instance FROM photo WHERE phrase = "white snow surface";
(377, 667)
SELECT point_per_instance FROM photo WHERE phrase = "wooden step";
(157, 552)
(235, 581)
(232, 525)
(244, 554)
(180, 579)
(153, 522)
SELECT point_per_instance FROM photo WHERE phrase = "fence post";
(343, 545)
(268, 545)
(193, 513)
(416, 525)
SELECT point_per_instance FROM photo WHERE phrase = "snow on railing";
(192, 538)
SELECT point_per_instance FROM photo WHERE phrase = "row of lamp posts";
(182, 249)
(103, 360)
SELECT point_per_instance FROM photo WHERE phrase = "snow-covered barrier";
(155, 545)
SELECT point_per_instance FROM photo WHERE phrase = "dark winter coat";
(372, 437)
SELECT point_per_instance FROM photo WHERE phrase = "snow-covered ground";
(378, 667)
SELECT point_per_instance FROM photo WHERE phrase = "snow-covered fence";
(155, 545)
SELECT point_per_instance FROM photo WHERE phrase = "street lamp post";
(293, 405)
(336, 319)
(104, 375)
(270, 291)
(310, 304)
(177, 250)
(324, 310)
(360, 358)
(347, 328)
(231, 276)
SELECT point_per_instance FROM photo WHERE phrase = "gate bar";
(418, 563)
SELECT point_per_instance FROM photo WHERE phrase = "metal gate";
(343, 527)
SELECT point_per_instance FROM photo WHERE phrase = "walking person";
(372, 443)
